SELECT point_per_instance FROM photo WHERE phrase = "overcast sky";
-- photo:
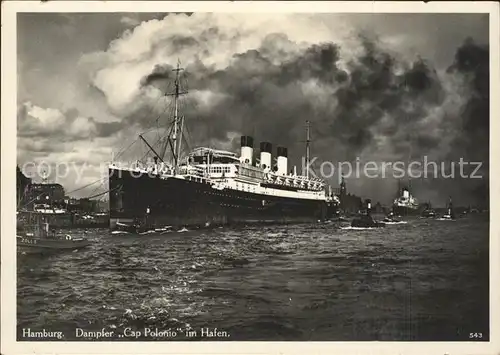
(81, 76)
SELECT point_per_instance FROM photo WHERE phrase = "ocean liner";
(405, 204)
(208, 186)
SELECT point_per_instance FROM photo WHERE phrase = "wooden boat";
(36, 235)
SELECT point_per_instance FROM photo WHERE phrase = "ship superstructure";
(405, 204)
(208, 186)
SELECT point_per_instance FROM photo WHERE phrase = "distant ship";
(450, 214)
(428, 211)
(209, 186)
(405, 204)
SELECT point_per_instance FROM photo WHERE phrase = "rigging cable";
(121, 150)
(90, 184)
(102, 193)
(124, 150)
(171, 128)
(101, 185)
(151, 108)
(188, 136)
(158, 134)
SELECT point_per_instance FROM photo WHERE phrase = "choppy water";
(424, 280)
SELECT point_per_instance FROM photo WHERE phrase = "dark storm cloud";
(375, 93)
(472, 61)
(161, 72)
(268, 98)
(107, 129)
(470, 137)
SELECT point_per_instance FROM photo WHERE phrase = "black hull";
(183, 203)
(406, 211)
(365, 221)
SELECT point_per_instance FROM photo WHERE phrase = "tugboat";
(428, 212)
(390, 218)
(365, 220)
(38, 237)
(450, 215)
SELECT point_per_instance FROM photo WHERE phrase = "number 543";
(475, 335)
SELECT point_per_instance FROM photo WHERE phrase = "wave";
(358, 228)
(119, 232)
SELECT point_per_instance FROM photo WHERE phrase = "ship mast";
(408, 164)
(409, 172)
(178, 122)
(308, 141)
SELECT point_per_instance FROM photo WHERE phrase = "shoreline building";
(349, 204)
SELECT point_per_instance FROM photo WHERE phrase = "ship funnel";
(406, 193)
(246, 149)
(265, 155)
(282, 160)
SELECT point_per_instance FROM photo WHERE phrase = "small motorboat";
(125, 228)
(38, 237)
(390, 218)
(447, 216)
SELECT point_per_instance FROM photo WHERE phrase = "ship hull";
(156, 202)
(25, 244)
(406, 211)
